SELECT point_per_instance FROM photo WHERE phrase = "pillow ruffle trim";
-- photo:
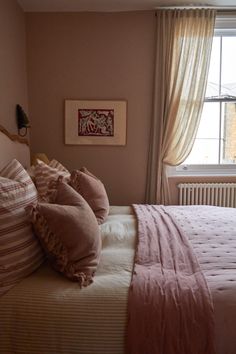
(56, 251)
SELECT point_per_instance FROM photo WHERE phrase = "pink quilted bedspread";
(170, 309)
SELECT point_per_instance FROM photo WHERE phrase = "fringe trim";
(56, 251)
(52, 188)
(75, 181)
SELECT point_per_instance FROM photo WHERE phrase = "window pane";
(213, 84)
(215, 142)
(228, 142)
(209, 126)
(228, 86)
(206, 146)
(205, 151)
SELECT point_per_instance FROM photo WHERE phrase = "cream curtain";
(183, 47)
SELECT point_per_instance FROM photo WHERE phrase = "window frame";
(225, 25)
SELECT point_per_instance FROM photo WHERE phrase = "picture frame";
(95, 122)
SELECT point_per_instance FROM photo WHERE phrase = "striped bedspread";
(48, 314)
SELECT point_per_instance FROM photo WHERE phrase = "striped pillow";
(20, 251)
(45, 174)
(55, 164)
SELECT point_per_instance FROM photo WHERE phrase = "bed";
(47, 313)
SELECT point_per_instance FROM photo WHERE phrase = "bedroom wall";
(93, 56)
(13, 82)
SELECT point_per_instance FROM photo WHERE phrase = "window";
(215, 143)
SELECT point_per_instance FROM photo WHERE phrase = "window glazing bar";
(220, 99)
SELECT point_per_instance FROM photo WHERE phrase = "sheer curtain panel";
(183, 48)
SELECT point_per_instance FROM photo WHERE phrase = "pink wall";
(93, 56)
(83, 56)
(13, 82)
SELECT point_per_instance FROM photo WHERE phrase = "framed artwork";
(95, 122)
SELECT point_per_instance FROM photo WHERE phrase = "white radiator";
(219, 194)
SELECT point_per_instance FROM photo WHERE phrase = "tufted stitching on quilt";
(213, 237)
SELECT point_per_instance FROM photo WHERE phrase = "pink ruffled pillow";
(93, 191)
(69, 234)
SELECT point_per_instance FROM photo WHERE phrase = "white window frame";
(225, 25)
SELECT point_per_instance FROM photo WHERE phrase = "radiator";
(219, 194)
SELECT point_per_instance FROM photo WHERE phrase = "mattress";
(47, 313)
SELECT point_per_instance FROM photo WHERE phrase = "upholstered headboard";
(13, 146)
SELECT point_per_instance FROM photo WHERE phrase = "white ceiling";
(112, 5)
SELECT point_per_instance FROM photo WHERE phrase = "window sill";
(205, 171)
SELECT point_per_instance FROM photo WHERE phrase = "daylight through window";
(216, 137)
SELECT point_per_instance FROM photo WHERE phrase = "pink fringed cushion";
(93, 191)
(46, 174)
(20, 251)
(69, 233)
